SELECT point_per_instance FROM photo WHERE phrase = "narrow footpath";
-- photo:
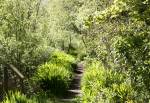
(75, 86)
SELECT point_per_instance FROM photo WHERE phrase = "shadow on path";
(75, 86)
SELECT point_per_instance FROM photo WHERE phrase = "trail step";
(74, 88)
(78, 71)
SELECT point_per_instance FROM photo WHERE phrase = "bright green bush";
(54, 77)
(100, 86)
(17, 97)
(62, 59)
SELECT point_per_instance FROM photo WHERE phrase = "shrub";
(54, 77)
(17, 97)
(100, 86)
(62, 59)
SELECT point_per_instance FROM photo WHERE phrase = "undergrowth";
(54, 76)
(105, 86)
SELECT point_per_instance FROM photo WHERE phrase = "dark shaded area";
(55, 85)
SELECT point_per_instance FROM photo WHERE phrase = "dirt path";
(75, 87)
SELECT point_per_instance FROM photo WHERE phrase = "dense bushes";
(54, 76)
(117, 34)
(53, 79)
(101, 86)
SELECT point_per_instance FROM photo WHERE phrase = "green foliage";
(17, 97)
(22, 31)
(62, 33)
(54, 77)
(101, 86)
(62, 59)
(118, 36)
(134, 48)
(114, 32)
